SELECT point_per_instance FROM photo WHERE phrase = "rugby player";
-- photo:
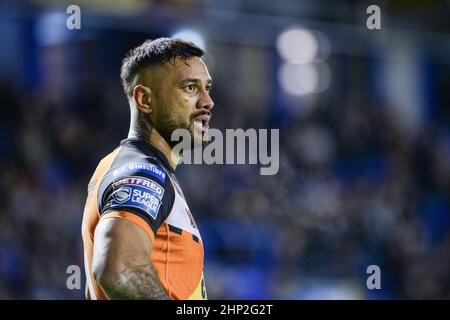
(140, 239)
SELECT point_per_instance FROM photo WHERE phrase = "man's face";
(181, 99)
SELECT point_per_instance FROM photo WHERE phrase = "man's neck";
(156, 140)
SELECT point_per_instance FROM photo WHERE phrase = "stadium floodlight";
(298, 80)
(297, 45)
(303, 79)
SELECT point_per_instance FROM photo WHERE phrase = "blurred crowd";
(354, 188)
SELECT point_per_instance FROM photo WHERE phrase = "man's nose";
(205, 102)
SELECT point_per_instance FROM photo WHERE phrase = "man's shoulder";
(136, 181)
(130, 160)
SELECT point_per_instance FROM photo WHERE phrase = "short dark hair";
(153, 52)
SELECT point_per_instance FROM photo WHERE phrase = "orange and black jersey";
(136, 182)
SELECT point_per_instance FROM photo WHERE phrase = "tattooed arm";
(121, 262)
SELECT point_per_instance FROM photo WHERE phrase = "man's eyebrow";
(196, 80)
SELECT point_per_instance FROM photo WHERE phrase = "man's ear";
(142, 98)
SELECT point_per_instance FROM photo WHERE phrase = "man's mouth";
(202, 122)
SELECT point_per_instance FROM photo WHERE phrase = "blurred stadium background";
(364, 119)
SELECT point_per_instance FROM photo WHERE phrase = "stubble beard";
(168, 124)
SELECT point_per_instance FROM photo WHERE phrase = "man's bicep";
(119, 243)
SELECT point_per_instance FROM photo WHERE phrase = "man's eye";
(190, 88)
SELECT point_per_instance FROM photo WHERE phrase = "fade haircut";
(154, 52)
